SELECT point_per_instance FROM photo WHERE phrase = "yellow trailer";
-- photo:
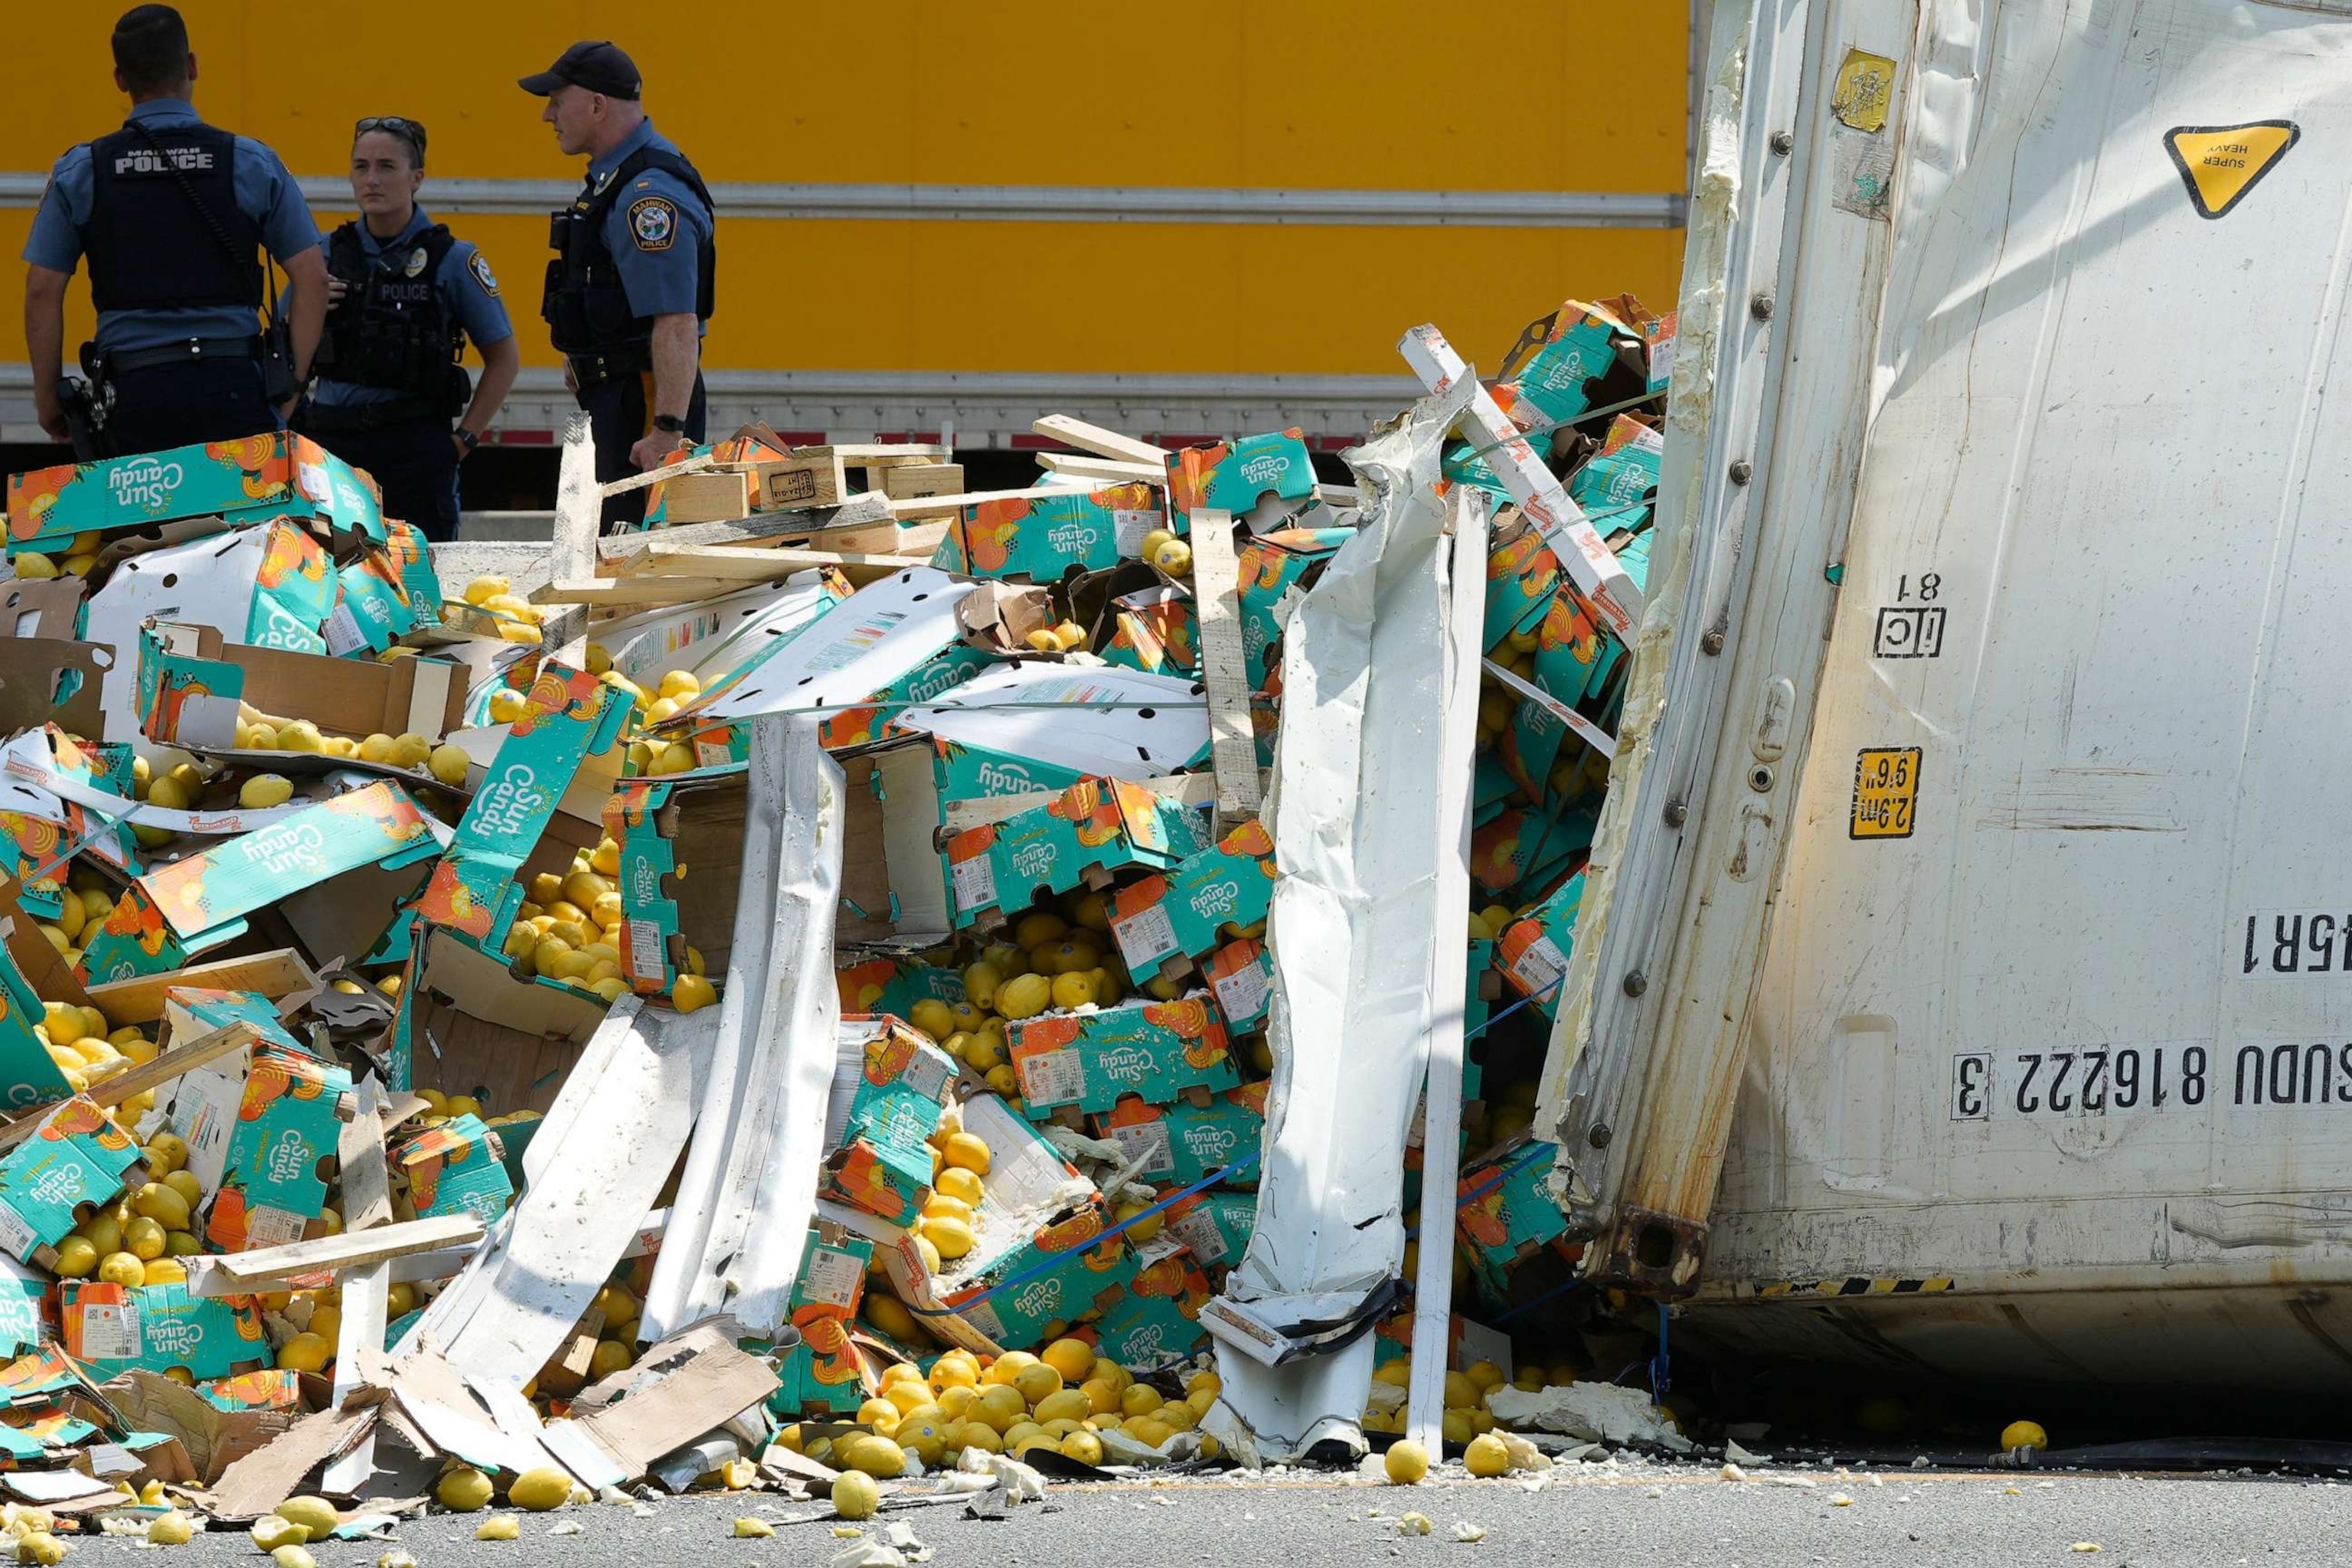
(944, 219)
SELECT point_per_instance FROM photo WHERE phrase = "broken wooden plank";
(367, 1288)
(1105, 471)
(759, 529)
(1217, 599)
(705, 498)
(328, 1253)
(275, 974)
(910, 482)
(579, 519)
(684, 466)
(949, 506)
(730, 563)
(109, 1092)
(876, 537)
(1101, 442)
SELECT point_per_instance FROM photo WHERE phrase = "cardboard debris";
(419, 984)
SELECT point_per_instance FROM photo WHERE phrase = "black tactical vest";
(586, 310)
(150, 246)
(393, 330)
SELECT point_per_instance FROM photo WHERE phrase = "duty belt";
(611, 365)
(187, 351)
(325, 418)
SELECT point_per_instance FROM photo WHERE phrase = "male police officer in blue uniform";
(404, 296)
(633, 280)
(172, 214)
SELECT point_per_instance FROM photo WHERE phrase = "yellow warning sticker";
(1865, 89)
(2220, 163)
(1885, 790)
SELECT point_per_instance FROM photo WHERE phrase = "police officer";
(404, 295)
(173, 214)
(633, 281)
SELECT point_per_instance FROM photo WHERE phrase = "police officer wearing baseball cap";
(174, 216)
(634, 278)
(404, 295)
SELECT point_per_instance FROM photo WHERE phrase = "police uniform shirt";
(265, 193)
(656, 230)
(469, 291)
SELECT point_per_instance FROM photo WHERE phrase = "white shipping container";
(1966, 975)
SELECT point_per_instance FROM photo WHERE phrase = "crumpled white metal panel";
(1358, 784)
(749, 1191)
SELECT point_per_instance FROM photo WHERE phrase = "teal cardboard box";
(1241, 972)
(277, 474)
(274, 1126)
(161, 1328)
(1092, 1059)
(1185, 912)
(1184, 1142)
(1096, 824)
(888, 1181)
(170, 916)
(1043, 538)
(28, 1074)
(823, 1372)
(1214, 1225)
(1271, 565)
(895, 1087)
(21, 1317)
(1505, 1210)
(1532, 952)
(458, 1167)
(1235, 476)
(1158, 1322)
(569, 716)
(895, 985)
(1059, 1287)
(1544, 377)
(76, 1157)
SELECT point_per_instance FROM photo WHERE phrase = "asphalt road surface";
(1659, 1516)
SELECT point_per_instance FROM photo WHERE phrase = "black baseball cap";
(600, 66)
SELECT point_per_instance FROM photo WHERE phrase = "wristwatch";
(467, 439)
(670, 423)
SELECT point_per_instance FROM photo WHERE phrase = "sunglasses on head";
(408, 130)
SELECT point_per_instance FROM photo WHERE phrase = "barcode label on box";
(975, 883)
(1198, 1231)
(17, 1237)
(1241, 995)
(1146, 937)
(266, 1226)
(1053, 1077)
(927, 1077)
(1540, 968)
(712, 754)
(646, 950)
(343, 632)
(109, 1332)
(832, 1277)
(1148, 1141)
(1128, 527)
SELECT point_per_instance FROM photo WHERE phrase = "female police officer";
(403, 296)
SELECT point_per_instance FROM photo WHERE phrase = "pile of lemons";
(1063, 1399)
(518, 618)
(83, 905)
(569, 931)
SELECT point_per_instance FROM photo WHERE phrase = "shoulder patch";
(653, 222)
(478, 265)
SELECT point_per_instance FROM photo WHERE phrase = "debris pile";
(779, 998)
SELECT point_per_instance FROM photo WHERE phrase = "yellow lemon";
(1072, 990)
(1073, 1359)
(306, 1352)
(1036, 1381)
(123, 1268)
(449, 763)
(855, 1494)
(968, 1151)
(1141, 1399)
(163, 1201)
(692, 992)
(540, 1488)
(263, 791)
(2024, 1435)
(482, 590)
(506, 707)
(1406, 1463)
(953, 1237)
(76, 1258)
(1024, 996)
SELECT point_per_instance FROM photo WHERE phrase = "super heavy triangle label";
(2220, 163)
